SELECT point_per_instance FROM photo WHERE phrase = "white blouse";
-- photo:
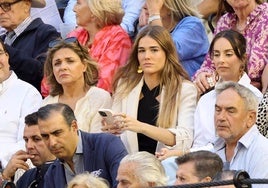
(86, 108)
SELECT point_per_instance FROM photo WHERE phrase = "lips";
(221, 127)
(63, 75)
(33, 155)
(221, 67)
(55, 151)
(147, 64)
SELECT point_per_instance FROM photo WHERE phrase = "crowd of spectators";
(185, 83)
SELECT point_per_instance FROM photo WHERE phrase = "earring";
(139, 70)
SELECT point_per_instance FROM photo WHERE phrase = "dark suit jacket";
(102, 153)
(28, 52)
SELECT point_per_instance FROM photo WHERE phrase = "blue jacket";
(191, 41)
(28, 52)
(33, 177)
(102, 152)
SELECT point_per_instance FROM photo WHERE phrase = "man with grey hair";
(240, 145)
(141, 169)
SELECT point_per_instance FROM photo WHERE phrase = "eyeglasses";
(6, 6)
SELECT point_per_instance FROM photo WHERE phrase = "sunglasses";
(67, 40)
(6, 6)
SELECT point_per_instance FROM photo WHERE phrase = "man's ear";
(206, 179)
(251, 118)
(74, 125)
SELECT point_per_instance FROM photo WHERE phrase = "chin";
(37, 162)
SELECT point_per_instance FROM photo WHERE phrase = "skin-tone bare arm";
(154, 7)
(264, 79)
(131, 124)
(165, 153)
(207, 7)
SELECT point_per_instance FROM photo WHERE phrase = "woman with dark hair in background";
(250, 18)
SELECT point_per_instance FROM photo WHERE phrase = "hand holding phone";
(107, 114)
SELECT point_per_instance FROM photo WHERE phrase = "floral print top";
(256, 34)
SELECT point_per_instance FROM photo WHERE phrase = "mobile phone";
(107, 114)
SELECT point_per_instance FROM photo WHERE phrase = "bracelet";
(5, 183)
(154, 17)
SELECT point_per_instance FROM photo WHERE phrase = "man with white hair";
(141, 169)
(26, 39)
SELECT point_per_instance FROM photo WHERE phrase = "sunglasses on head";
(53, 43)
(67, 40)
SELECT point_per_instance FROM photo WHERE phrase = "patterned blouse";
(256, 34)
(262, 118)
(110, 48)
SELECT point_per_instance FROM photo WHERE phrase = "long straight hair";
(171, 77)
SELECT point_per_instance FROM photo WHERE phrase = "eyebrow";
(227, 108)
(224, 50)
(149, 47)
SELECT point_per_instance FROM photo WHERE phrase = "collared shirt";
(204, 129)
(250, 154)
(21, 27)
(132, 9)
(78, 161)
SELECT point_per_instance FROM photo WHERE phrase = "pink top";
(111, 48)
(256, 34)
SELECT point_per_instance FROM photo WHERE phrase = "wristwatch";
(5, 183)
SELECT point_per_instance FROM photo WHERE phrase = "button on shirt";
(251, 154)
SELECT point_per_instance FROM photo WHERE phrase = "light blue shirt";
(78, 160)
(191, 42)
(204, 116)
(132, 10)
(69, 14)
(251, 154)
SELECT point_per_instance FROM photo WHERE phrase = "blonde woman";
(99, 29)
(153, 95)
(87, 180)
